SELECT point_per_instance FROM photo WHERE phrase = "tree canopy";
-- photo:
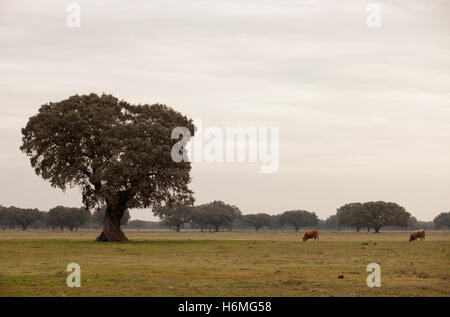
(299, 218)
(218, 214)
(175, 215)
(257, 221)
(442, 220)
(70, 217)
(375, 214)
(14, 216)
(353, 215)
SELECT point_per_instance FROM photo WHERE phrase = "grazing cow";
(416, 235)
(174, 229)
(311, 234)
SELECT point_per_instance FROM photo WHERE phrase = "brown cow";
(311, 234)
(416, 235)
(174, 229)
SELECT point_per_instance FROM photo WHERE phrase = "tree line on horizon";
(59, 217)
(218, 215)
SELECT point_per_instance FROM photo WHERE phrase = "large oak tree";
(118, 153)
(386, 214)
(374, 214)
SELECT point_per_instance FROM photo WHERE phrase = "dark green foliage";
(353, 215)
(299, 218)
(117, 153)
(72, 218)
(412, 222)
(442, 220)
(3, 216)
(257, 221)
(382, 213)
(175, 215)
(373, 215)
(332, 222)
(200, 217)
(276, 221)
(216, 214)
(13, 216)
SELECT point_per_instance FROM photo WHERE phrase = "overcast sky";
(364, 113)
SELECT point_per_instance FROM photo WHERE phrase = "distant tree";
(386, 214)
(118, 153)
(175, 215)
(331, 222)
(8, 217)
(275, 222)
(426, 225)
(373, 215)
(98, 217)
(257, 221)
(200, 217)
(412, 222)
(219, 214)
(76, 217)
(57, 217)
(299, 218)
(51, 219)
(353, 215)
(24, 217)
(442, 220)
(3, 216)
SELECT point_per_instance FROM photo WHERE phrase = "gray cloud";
(363, 113)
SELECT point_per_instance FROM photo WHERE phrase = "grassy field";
(162, 263)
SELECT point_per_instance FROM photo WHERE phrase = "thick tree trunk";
(377, 229)
(111, 226)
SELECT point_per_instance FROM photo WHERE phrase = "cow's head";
(304, 238)
(412, 238)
